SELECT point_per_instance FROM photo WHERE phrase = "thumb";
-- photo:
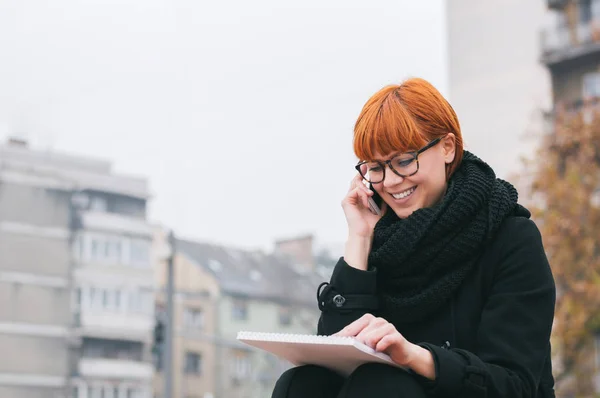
(384, 207)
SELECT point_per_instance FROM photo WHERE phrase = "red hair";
(402, 118)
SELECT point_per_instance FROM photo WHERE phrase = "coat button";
(339, 300)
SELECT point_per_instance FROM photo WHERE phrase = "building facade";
(497, 85)
(221, 291)
(35, 268)
(77, 278)
(570, 50)
(194, 325)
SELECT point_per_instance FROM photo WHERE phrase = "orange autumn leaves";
(566, 191)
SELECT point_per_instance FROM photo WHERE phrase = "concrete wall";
(197, 289)
(27, 204)
(34, 273)
(498, 88)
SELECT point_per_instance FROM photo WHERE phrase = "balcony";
(560, 44)
(111, 325)
(117, 223)
(109, 359)
(106, 368)
(556, 4)
(588, 108)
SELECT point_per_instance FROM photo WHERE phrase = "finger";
(356, 181)
(373, 337)
(358, 195)
(364, 197)
(377, 325)
(355, 327)
(387, 341)
(383, 207)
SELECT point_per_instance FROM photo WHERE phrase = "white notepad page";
(342, 354)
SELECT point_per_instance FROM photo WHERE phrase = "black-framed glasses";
(403, 165)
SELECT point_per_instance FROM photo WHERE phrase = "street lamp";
(163, 335)
(77, 201)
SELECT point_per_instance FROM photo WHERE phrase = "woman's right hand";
(361, 221)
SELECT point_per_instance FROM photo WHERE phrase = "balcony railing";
(560, 43)
(115, 368)
(135, 327)
(588, 108)
(556, 4)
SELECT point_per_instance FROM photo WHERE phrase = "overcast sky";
(240, 113)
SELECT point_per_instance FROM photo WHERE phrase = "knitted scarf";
(423, 259)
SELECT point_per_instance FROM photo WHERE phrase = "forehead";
(378, 157)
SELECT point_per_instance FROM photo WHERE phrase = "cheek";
(432, 179)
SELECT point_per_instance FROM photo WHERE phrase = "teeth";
(403, 194)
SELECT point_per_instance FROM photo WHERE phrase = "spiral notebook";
(341, 354)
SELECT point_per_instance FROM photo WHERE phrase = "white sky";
(240, 113)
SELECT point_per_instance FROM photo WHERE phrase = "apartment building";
(571, 52)
(222, 290)
(497, 85)
(76, 278)
(194, 324)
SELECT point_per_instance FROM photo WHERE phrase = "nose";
(391, 178)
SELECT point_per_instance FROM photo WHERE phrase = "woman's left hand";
(382, 336)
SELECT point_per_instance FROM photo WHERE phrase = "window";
(139, 252)
(241, 366)
(105, 298)
(113, 250)
(91, 299)
(112, 349)
(135, 301)
(597, 347)
(77, 300)
(591, 85)
(105, 249)
(585, 11)
(78, 247)
(285, 316)
(193, 318)
(239, 310)
(95, 248)
(193, 363)
(117, 300)
(148, 303)
(132, 392)
(106, 390)
(98, 204)
(595, 9)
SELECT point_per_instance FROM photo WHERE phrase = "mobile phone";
(375, 201)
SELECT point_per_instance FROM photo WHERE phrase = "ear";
(449, 147)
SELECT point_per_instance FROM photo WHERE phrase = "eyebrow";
(390, 157)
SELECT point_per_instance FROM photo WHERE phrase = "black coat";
(497, 325)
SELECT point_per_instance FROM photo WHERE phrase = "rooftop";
(63, 171)
(255, 274)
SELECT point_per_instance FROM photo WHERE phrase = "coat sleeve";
(350, 294)
(514, 333)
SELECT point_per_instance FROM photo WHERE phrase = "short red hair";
(402, 118)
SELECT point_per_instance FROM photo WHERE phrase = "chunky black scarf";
(423, 259)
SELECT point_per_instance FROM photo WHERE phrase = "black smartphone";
(375, 201)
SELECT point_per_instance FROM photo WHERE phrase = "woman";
(452, 282)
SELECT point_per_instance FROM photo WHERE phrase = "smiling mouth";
(404, 194)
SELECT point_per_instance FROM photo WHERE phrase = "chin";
(404, 212)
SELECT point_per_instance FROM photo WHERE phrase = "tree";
(565, 188)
